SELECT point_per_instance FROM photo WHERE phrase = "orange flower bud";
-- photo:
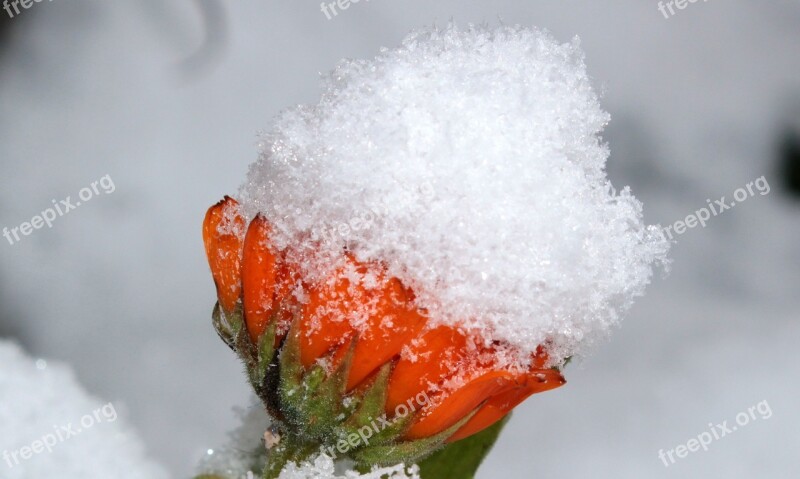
(358, 347)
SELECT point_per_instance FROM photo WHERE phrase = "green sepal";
(368, 407)
(244, 345)
(313, 380)
(323, 407)
(233, 321)
(222, 327)
(265, 355)
(290, 387)
(371, 404)
(287, 450)
(398, 427)
(231, 328)
(462, 458)
(407, 451)
(372, 408)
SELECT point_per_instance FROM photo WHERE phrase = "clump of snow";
(52, 429)
(323, 467)
(469, 162)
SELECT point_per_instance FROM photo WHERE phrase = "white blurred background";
(167, 99)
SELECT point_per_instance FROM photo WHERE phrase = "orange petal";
(222, 235)
(376, 312)
(501, 404)
(288, 278)
(324, 322)
(457, 404)
(258, 277)
(539, 358)
(426, 363)
(392, 323)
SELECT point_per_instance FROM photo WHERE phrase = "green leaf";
(461, 459)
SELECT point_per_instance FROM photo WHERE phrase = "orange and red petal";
(427, 362)
(384, 312)
(259, 270)
(392, 323)
(324, 319)
(222, 229)
(453, 406)
(502, 403)
(288, 278)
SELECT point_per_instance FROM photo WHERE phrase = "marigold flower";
(355, 336)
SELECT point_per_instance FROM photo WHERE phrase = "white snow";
(323, 467)
(52, 429)
(468, 161)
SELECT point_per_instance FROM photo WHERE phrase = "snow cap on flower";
(469, 162)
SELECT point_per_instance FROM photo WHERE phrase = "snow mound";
(52, 428)
(469, 162)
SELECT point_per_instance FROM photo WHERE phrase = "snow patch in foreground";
(322, 467)
(469, 162)
(52, 428)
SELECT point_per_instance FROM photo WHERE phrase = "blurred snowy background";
(167, 98)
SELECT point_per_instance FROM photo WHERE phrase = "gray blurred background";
(167, 99)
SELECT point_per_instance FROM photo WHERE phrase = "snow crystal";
(323, 467)
(469, 162)
(52, 428)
